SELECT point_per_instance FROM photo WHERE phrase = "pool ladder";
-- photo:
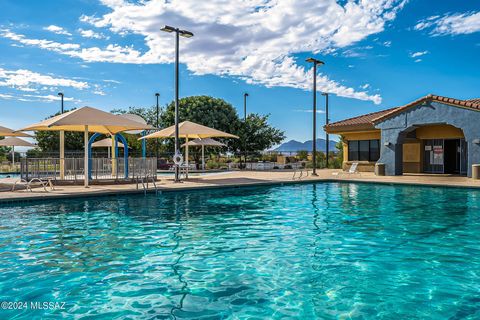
(145, 181)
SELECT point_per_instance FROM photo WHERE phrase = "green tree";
(302, 155)
(216, 113)
(257, 135)
(150, 116)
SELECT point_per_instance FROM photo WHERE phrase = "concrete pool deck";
(234, 179)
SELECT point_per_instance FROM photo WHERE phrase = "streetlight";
(157, 124)
(327, 147)
(62, 144)
(185, 34)
(315, 62)
(245, 95)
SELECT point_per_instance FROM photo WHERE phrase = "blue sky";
(110, 54)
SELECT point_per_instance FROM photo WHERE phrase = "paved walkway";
(232, 179)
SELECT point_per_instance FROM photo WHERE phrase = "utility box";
(380, 169)
(475, 171)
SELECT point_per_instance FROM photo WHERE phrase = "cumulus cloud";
(451, 24)
(254, 40)
(57, 30)
(308, 110)
(45, 98)
(418, 54)
(91, 34)
(29, 81)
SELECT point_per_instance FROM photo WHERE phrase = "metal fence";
(100, 169)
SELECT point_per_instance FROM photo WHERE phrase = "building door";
(433, 156)
(451, 156)
(463, 152)
(445, 156)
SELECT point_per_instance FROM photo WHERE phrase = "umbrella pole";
(85, 165)
(186, 156)
(13, 158)
(203, 157)
(114, 156)
(62, 155)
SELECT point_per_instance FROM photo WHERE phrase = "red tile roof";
(363, 122)
(477, 100)
(368, 121)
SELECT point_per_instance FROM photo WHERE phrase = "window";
(363, 150)
(374, 150)
(352, 150)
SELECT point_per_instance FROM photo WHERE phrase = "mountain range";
(295, 146)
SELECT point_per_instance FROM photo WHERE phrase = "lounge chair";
(35, 182)
(352, 170)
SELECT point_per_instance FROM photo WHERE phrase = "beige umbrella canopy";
(87, 119)
(97, 121)
(105, 143)
(188, 129)
(6, 132)
(204, 142)
(15, 142)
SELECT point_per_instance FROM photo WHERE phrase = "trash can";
(380, 169)
(476, 171)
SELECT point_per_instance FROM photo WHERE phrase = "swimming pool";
(9, 175)
(326, 250)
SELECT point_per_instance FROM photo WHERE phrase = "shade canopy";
(208, 142)
(7, 132)
(15, 142)
(97, 121)
(191, 130)
(106, 143)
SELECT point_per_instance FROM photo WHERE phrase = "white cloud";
(418, 54)
(308, 110)
(91, 34)
(387, 44)
(418, 60)
(255, 40)
(29, 81)
(365, 86)
(6, 96)
(57, 30)
(451, 24)
(46, 98)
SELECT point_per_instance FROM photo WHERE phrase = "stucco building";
(433, 134)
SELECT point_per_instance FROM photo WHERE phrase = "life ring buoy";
(178, 159)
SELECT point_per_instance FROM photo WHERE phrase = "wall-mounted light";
(476, 141)
(386, 144)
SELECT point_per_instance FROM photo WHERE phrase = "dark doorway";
(452, 156)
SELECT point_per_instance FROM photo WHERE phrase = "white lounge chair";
(352, 170)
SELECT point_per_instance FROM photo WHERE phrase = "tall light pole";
(62, 144)
(327, 120)
(315, 62)
(185, 34)
(245, 95)
(157, 124)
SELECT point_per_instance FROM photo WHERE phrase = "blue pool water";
(9, 175)
(325, 251)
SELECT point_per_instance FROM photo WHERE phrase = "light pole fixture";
(185, 34)
(327, 120)
(157, 95)
(62, 143)
(245, 95)
(315, 62)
